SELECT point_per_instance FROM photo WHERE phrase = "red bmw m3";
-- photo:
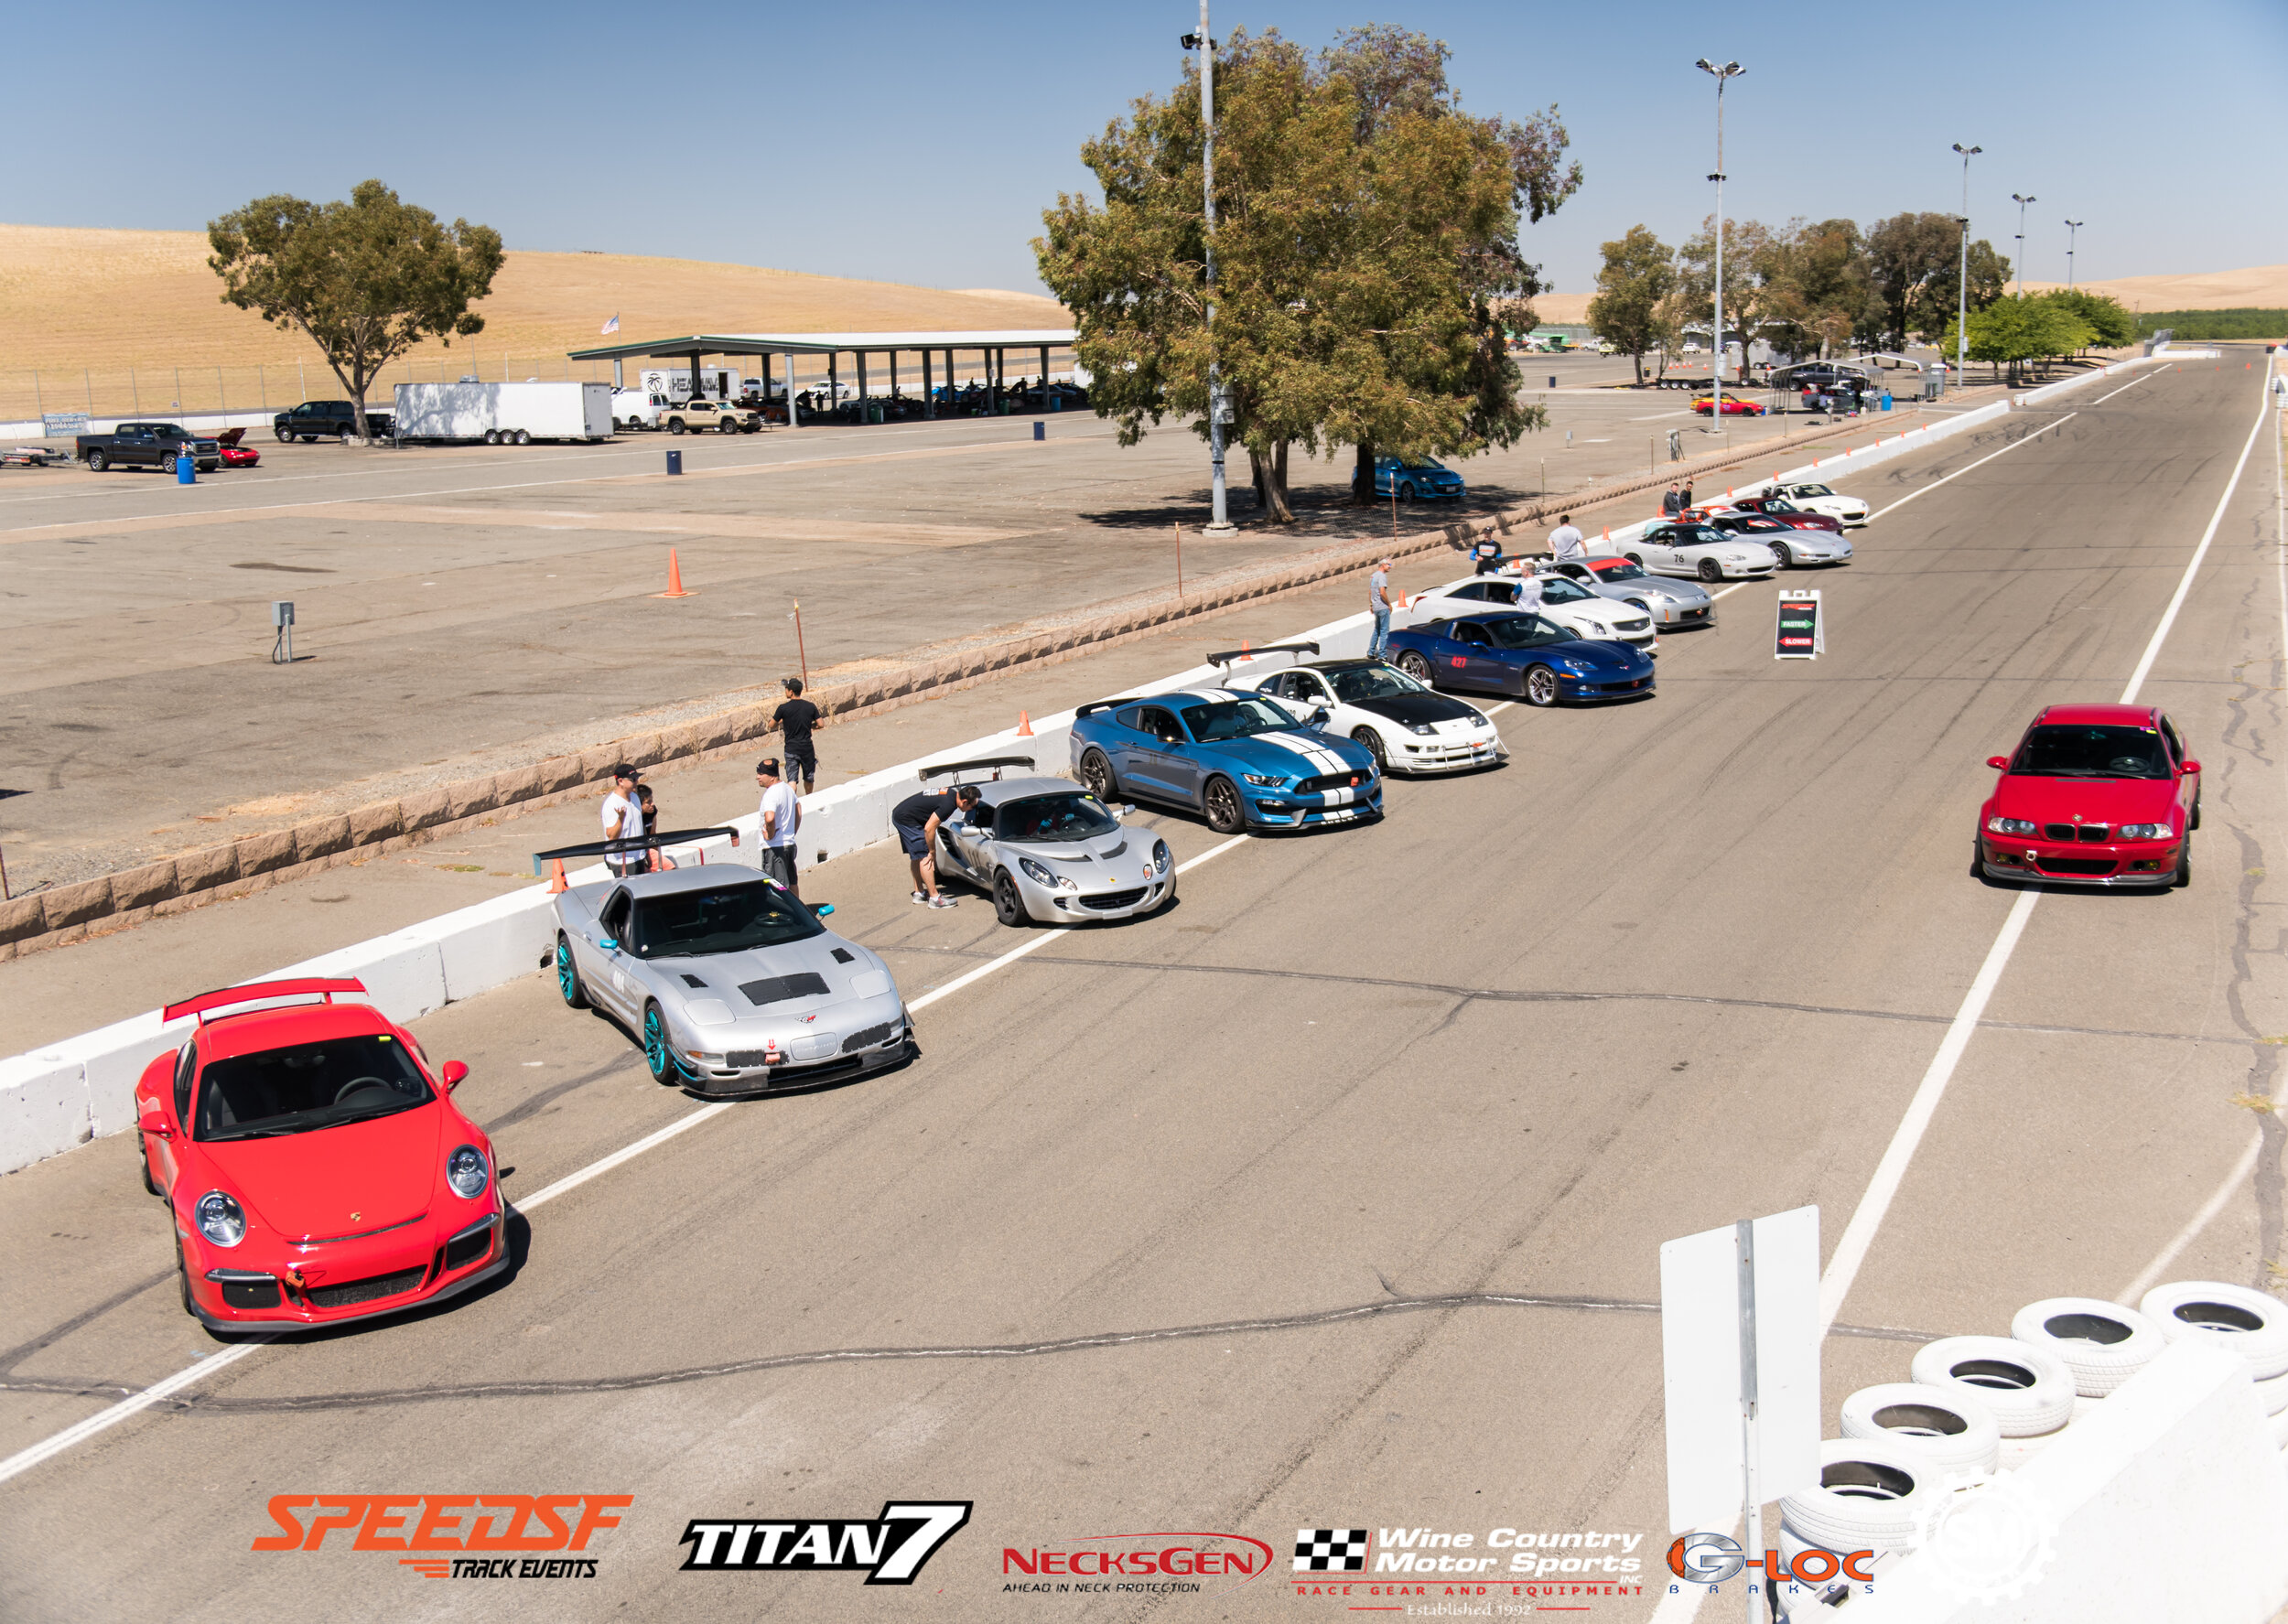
(2094, 795)
(316, 1167)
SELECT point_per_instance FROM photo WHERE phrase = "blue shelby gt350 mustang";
(1238, 757)
(1539, 660)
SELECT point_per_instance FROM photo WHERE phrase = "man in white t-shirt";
(782, 818)
(1565, 540)
(623, 820)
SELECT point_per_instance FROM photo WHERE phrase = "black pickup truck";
(328, 420)
(146, 446)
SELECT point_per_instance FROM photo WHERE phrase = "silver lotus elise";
(731, 985)
(1047, 850)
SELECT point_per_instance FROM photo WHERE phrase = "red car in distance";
(1781, 508)
(316, 1167)
(2094, 795)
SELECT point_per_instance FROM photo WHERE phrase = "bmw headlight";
(2145, 831)
(220, 1219)
(1036, 873)
(1160, 856)
(2008, 826)
(1264, 781)
(465, 1171)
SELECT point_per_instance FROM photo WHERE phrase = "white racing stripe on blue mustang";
(1322, 760)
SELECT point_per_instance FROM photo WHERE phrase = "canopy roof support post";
(893, 374)
(929, 401)
(793, 417)
(696, 386)
(619, 376)
(834, 381)
(1044, 380)
(862, 371)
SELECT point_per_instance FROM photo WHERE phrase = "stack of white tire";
(1872, 1495)
(2249, 1324)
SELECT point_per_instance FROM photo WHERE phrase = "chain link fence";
(167, 391)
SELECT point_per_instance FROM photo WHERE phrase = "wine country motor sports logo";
(456, 1536)
(1393, 1565)
(1986, 1539)
(889, 1549)
(1185, 1562)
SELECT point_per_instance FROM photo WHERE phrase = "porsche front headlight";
(465, 1171)
(220, 1219)
(2009, 826)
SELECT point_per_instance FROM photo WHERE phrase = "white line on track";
(136, 1403)
(1980, 463)
(2200, 1221)
(2132, 383)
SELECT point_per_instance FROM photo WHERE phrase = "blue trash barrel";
(186, 471)
(674, 461)
(1040, 431)
(1886, 400)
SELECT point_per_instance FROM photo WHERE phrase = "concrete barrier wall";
(64, 1095)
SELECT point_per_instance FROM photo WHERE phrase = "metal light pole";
(1219, 516)
(1729, 71)
(2021, 203)
(2071, 227)
(1962, 319)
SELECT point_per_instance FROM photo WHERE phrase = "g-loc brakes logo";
(889, 1549)
(1711, 1558)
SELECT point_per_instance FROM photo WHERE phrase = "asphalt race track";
(1331, 1197)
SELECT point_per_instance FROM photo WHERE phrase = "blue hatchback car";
(1416, 477)
(1535, 660)
(1244, 761)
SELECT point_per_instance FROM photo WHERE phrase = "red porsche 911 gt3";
(2094, 795)
(316, 1169)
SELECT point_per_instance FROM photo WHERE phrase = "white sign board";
(1702, 1335)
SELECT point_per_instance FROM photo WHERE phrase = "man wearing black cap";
(781, 816)
(916, 819)
(623, 820)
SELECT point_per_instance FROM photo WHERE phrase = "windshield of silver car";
(730, 918)
(1074, 816)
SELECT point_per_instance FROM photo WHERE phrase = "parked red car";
(2094, 795)
(316, 1167)
(1781, 508)
(238, 457)
(1733, 406)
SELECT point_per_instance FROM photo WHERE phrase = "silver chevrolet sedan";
(1674, 605)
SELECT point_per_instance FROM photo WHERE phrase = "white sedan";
(1407, 727)
(1575, 607)
(1816, 497)
(1670, 547)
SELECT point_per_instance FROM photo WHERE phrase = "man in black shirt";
(916, 819)
(795, 719)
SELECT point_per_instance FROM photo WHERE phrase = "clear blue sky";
(919, 142)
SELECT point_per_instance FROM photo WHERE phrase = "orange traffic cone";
(1024, 723)
(557, 884)
(674, 579)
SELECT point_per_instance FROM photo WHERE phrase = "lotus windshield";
(1523, 631)
(1359, 683)
(732, 917)
(1074, 816)
(309, 1086)
(2059, 752)
(1234, 718)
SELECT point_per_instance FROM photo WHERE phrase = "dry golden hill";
(2264, 287)
(117, 316)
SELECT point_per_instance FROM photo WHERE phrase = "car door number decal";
(1460, 659)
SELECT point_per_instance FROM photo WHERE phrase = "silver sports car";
(731, 983)
(1673, 605)
(1045, 849)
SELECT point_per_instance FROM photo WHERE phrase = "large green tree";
(2110, 323)
(1815, 289)
(366, 280)
(1638, 274)
(2016, 331)
(1366, 251)
(1747, 244)
(1916, 259)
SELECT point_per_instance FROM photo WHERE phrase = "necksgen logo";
(889, 1549)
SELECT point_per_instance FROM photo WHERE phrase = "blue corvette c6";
(1241, 759)
(1521, 655)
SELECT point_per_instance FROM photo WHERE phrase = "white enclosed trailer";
(503, 413)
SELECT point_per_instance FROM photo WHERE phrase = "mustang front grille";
(1329, 781)
(365, 1291)
(774, 989)
(1107, 900)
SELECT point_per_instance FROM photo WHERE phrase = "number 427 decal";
(888, 1550)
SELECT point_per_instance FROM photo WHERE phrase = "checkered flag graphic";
(1330, 1550)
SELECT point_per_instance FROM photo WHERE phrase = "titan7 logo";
(889, 1549)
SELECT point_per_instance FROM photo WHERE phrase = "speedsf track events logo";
(1375, 1566)
(458, 1537)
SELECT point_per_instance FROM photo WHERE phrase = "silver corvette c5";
(730, 984)
(1046, 849)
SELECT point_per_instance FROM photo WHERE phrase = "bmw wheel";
(1415, 666)
(2194, 821)
(1375, 747)
(1097, 773)
(1710, 570)
(1225, 813)
(1008, 905)
(665, 1068)
(1539, 688)
(1787, 559)
(2184, 876)
(568, 975)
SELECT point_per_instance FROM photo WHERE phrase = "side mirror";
(1124, 809)
(610, 944)
(452, 1074)
(1318, 717)
(2192, 766)
(1998, 762)
(822, 911)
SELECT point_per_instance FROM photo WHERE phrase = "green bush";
(2246, 321)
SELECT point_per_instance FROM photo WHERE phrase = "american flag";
(612, 325)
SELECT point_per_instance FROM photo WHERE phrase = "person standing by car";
(782, 818)
(1686, 506)
(916, 819)
(1487, 553)
(1565, 540)
(657, 861)
(794, 720)
(1671, 504)
(1379, 605)
(623, 820)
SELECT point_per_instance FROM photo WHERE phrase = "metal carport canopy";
(829, 343)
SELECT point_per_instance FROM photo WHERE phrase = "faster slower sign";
(1802, 633)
